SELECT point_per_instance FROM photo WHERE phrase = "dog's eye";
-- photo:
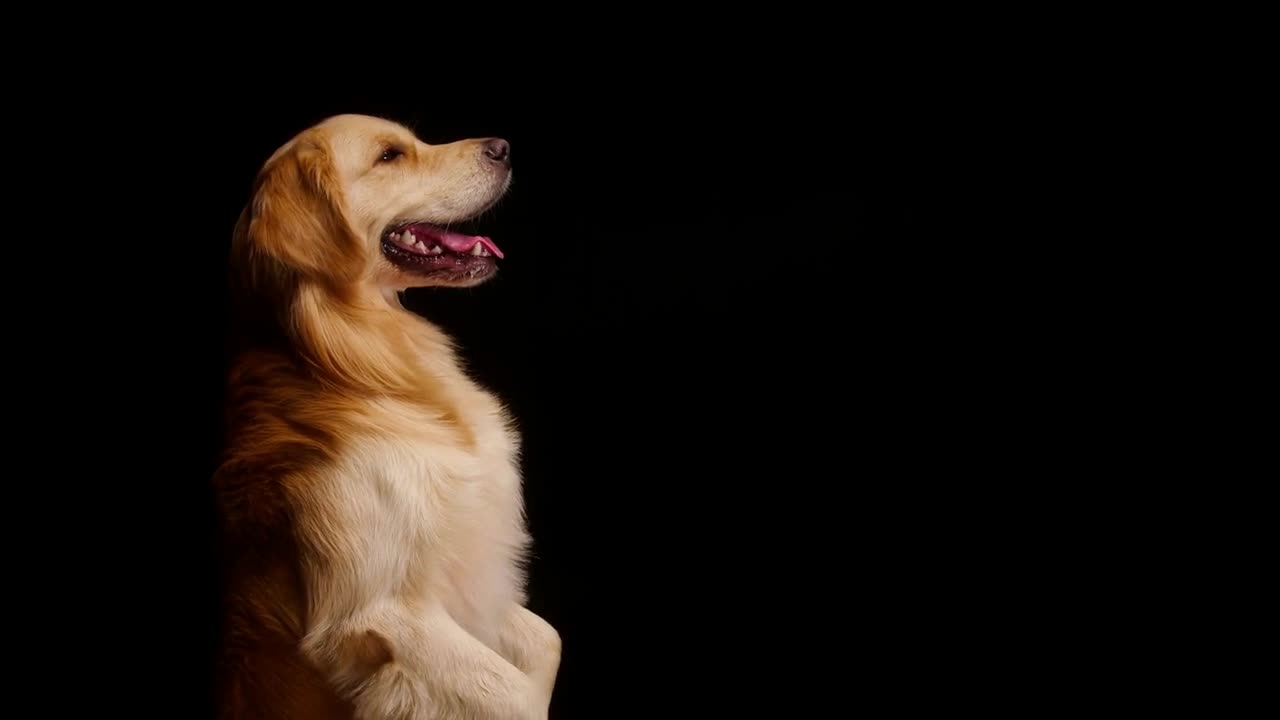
(390, 154)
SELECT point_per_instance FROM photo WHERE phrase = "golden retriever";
(373, 522)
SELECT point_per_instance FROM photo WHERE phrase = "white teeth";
(420, 246)
(437, 250)
(477, 249)
(408, 237)
(395, 237)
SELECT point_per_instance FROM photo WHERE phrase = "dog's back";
(261, 674)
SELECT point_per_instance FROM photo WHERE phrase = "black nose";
(498, 150)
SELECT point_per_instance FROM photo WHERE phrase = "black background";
(763, 392)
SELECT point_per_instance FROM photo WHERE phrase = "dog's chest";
(461, 508)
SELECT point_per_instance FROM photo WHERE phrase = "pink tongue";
(463, 244)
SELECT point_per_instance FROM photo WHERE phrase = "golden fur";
(373, 527)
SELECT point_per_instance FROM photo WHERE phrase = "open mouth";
(424, 248)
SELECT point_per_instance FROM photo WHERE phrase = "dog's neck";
(362, 339)
(366, 344)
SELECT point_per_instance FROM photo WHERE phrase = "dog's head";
(358, 201)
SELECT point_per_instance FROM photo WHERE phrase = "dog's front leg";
(533, 646)
(394, 655)
(417, 664)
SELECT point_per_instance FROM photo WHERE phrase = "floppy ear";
(298, 218)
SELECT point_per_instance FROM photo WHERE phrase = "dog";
(373, 531)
